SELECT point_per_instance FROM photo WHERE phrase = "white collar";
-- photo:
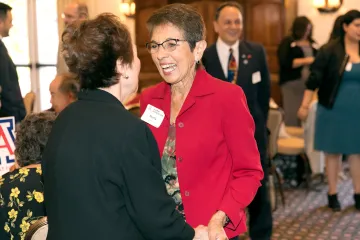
(223, 45)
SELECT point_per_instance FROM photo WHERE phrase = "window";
(33, 45)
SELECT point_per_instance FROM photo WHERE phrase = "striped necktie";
(232, 68)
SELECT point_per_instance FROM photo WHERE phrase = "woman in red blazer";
(210, 162)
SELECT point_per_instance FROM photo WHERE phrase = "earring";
(125, 76)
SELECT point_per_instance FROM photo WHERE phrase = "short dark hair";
(227, 4)
(32, 136)
(92, 47)
(299, 28)
(348, 18)
(69, 84)
(4, 8)
(183, 16)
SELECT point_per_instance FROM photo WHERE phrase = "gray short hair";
(32, 136)
(69, 84)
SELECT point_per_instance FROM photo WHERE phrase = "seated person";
(21, 191)
(64, 90)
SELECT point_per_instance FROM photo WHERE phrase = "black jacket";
(287, 52)
(12, 103)
(102, 176)
(327, 70)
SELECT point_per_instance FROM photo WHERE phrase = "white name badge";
(256, 77)
(153, 116)
(348, 67)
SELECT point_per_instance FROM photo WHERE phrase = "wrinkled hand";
(215, 227)
(303, 113)
(201, 233)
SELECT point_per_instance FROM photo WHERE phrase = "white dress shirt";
(223, 51)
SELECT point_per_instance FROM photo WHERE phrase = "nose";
(161, 53)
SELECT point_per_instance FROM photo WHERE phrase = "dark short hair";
(32, 136)
(92, 47)
(337, 28)
(4, 8)
(69, 84)
(299, 28)
(185, 17)
(227, 4)
(348, 18)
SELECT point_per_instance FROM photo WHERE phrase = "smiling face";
(229, 25)
(177, 63)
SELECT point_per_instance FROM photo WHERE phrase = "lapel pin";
(243, 56)
(246, 61)
(249, 56)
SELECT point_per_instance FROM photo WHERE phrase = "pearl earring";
(125, 76)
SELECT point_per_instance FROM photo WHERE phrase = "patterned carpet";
(305, 216)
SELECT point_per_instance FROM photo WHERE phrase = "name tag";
(153, 116)
(256, 77)
(348, 67)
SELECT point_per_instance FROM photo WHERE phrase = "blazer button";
(181, 125)
(180, 159)
(187, 193)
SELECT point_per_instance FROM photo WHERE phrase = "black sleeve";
(149, 205)
(317, 69)
(264, 85)
(285, 57)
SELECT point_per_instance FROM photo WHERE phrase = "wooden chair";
(38, 230)
(29, 102)
(273, 124)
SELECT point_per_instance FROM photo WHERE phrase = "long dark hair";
(299, 28)
(337, 28)
(348, 18)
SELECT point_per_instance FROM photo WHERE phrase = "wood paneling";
(265, 21)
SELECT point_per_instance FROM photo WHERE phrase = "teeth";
(168, 65)
(170, 69)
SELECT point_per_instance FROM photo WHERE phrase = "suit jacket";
(102, 177)
(252, 59)
(217, 159)
(12, 103)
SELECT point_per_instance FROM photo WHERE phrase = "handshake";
(214, 230)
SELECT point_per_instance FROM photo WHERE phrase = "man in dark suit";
(244, 63)
(12, 103)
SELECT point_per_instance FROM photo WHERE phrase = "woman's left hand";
(215, 226)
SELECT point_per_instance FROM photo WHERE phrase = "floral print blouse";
(21, 202)
(169, 171)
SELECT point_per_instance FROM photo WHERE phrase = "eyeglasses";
(169, 45)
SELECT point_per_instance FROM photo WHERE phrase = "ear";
(216, 26)
(120, 67)
(199, 49)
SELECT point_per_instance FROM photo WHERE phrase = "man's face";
(59, 100)
(70, 14)
(6, 24)
(229, 25)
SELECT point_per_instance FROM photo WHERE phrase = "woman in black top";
(295, 54)
(102, 168)
(21, 191)
(336, 75)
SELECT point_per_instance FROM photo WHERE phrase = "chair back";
(38, 230)
(275, 119)
(134, 109)
(29, 101)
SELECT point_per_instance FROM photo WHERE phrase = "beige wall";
(99, 6)
(323, 23)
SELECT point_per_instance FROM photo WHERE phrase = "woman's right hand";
(303, 113)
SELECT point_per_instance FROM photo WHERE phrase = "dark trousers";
(260, 214)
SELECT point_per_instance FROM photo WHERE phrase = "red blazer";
(218, 161)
